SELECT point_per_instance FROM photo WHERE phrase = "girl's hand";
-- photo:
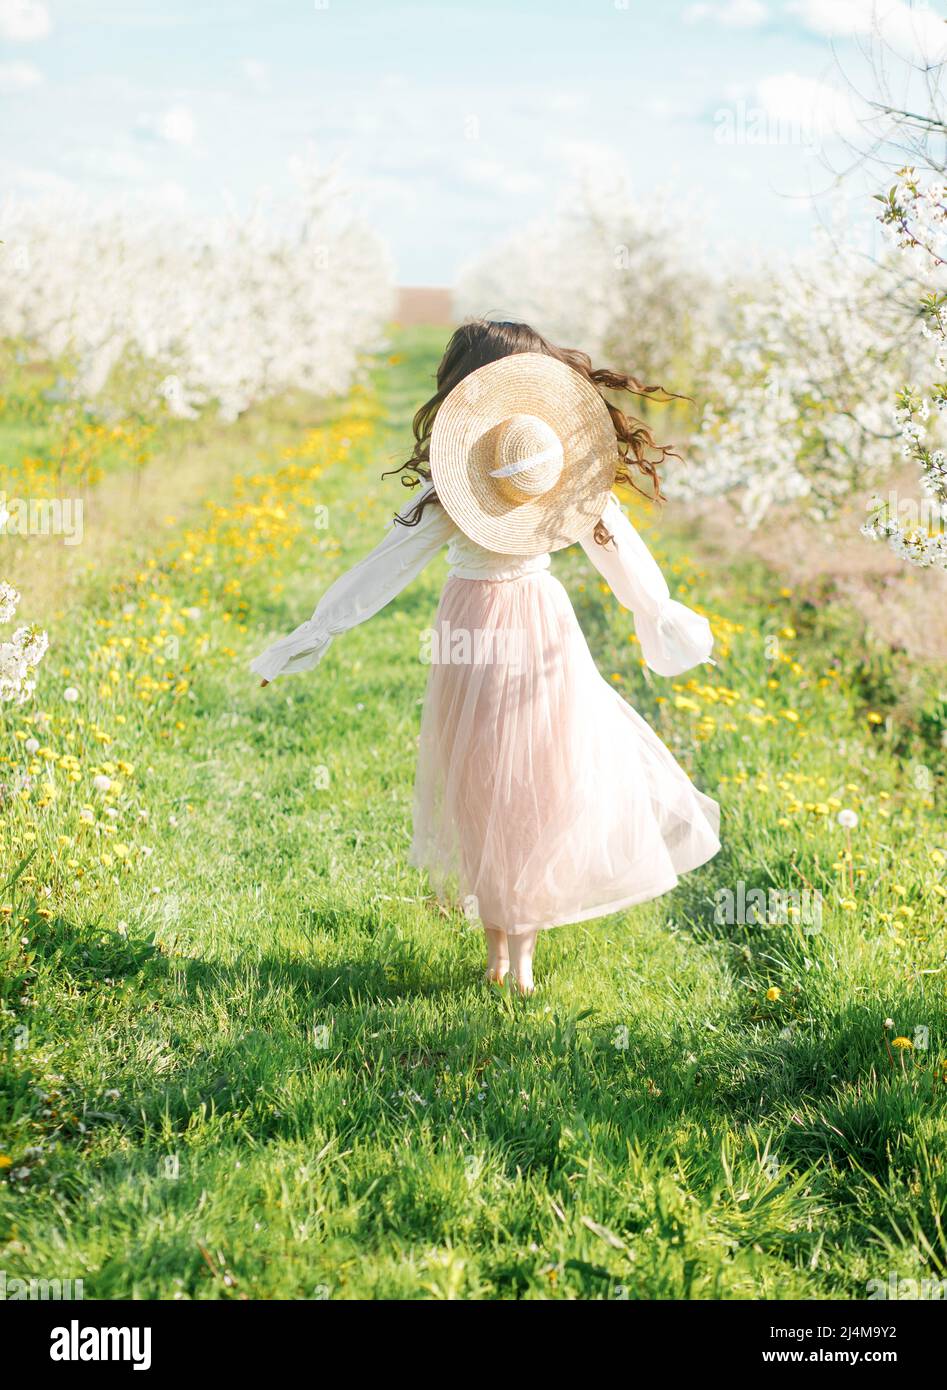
(262, 683)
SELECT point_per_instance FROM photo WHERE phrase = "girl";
(541, 797)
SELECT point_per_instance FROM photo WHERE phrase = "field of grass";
(244, 1055)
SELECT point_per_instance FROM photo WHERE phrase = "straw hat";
(524, 454)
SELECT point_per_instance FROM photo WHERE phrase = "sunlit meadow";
(244, 1052)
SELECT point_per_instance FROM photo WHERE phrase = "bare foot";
(498, 955)
(522, 947)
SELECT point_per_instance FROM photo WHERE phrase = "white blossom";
(20, 656)
(228, 312)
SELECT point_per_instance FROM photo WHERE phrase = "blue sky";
(452, 122)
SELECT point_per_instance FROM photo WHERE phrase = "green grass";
(245, 1055)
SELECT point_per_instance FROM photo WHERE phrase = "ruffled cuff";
(674, 641)
(300, 651)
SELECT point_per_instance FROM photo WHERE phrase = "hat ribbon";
(510, 470)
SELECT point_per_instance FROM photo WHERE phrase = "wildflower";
(70, 694)
(9, 601)
(773, 993)
(101, 782)
(847, 819)
(905, 1044)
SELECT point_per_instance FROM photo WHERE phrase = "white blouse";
(673, 638)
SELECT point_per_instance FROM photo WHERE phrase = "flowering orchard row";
(813, 378)
(225, 312)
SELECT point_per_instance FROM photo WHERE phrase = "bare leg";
(498, 955)
(521, 960)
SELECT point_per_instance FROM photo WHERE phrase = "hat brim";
(462, 453)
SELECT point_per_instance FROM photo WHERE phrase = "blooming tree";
(915, 213)
(20, 656)
(230, 311)
(795, 389)
(604, 273)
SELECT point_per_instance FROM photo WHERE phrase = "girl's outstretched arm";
(673, 637)
(359, 594)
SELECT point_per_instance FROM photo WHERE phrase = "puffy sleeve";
(673, 637)
(360, 593)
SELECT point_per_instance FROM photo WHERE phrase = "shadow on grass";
(411, 1045)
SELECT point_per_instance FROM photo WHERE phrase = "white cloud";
(835, 17)
(493, 174)
(813, 107)
(257, 74)
(18, 77)
(558, 101)
(175, 125)
(111, 163)
(584, 159)
(913, 31)
(23, 20)
(732, 14)
(36, 182)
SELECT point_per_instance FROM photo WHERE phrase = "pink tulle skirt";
(542, 797)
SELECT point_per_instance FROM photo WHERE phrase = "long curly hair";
(480, 341)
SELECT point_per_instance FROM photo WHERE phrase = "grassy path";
(246, 1056)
